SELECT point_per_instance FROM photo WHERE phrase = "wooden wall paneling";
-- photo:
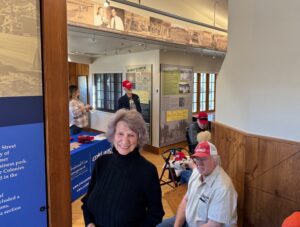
(54, 52)
(72, 74)
(231, 148)
(265, 172)
(82, 69)
(273, 177)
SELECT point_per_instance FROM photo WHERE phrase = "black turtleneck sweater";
(124, 191)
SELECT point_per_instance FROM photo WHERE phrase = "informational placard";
(22, 149)
(177, 115)
(176, 102)
(141, 78)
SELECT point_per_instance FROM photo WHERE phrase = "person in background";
(115, 21)
(186, 174)
(200, 125)
(211, 199)
(78, 118)
(124, 189)
(292, 221)
(129, 101)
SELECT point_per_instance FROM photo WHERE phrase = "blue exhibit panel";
(22, 176)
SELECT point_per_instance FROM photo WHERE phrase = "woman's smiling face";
(125, 140)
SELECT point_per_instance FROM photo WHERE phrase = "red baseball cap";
(292, 221)
(203, 118)
(127, 85)
(205, 149)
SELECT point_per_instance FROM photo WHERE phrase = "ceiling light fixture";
(106, 3)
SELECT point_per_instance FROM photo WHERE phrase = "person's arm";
(138, 104)
(180, 215)
(152, 190)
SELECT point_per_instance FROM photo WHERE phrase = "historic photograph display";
(79, 11)
(159, 28)
(90, 13)
(20, 49)
(178, 35)
(136, 23)
(141, 78)
(176, 97)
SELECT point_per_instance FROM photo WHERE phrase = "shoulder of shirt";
(146, 164)
(224, 181)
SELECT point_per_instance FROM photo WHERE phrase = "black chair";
(172, 178)
(190, 145)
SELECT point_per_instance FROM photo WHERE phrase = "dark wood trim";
(55, 79)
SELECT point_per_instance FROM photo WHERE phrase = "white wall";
(258, 87)
(199, 63)
(117, 64)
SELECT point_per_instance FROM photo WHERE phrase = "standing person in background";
(200, 125)
(115, 21)
(124, 190)
(129, 101)
(78, 118)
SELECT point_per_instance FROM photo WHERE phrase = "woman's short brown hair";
(135, 122)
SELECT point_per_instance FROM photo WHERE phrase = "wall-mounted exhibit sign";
(94, 15)
(176, 102)
(141, 78)
(22, 150)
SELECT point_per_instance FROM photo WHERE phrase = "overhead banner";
(176, 102)
(92, 14)
(22, 149)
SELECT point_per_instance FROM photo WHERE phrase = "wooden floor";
(77, 218)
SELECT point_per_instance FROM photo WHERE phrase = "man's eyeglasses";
(200, 160)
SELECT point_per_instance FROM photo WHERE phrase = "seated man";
(200, 125)
(211, 199)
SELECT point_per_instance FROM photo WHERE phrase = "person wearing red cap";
(200, 125)
(292, 221)
(211, 199)
(129, 101)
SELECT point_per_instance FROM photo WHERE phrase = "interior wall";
(199, 63)
(117, 64)
(258, 87)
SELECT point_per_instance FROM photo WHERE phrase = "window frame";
(207, 92)
(117, 91)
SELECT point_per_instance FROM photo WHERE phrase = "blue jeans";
(169, 222)
(185, 176)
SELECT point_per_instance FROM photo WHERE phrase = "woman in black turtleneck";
(124, 189)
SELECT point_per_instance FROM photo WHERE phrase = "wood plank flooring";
(77, 218)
